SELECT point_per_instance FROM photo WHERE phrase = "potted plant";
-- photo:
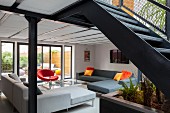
(142, 98)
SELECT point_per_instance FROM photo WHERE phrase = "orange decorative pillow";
(125, 75)
(118, 76)
(88, 72)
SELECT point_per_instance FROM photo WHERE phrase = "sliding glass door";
(7, 57)
(68, 62)
(48, 57)
(23, 60)
(56, 60)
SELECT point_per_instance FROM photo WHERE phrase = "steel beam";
(32, 66)
(167, 22)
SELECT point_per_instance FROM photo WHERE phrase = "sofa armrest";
(53, 101)
(79, 74)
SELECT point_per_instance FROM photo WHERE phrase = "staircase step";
(136, 28)
(111, 10)
(163, 50)
(106, 4)
(149, 38)
(125, 19)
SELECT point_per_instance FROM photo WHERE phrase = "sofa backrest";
(7, 86)
(15, 92)
(104, 73)
(20, 93)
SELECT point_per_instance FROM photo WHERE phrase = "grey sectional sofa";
(98, 75)
(102, 81)
(49, 101)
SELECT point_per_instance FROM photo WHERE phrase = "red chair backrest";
(45, 73)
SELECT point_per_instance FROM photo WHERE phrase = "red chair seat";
(46, 75)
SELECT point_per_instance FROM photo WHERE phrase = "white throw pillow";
(15, 77)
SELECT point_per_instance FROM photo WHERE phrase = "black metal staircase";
(147, 50)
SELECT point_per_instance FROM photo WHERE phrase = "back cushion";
(104, 73)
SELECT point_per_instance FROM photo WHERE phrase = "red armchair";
(46, 75)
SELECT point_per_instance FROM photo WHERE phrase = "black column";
(167, 27)
(32, 64)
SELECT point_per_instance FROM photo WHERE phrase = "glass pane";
(7, 57)
(46, 57)
(39, 57)
(23, 60)
(67, 56)
(56, 60)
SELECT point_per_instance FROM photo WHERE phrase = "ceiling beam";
(17, 32)
(80, 36)
(67, 34)
(4, 18)
(24, 12)
(16, 4)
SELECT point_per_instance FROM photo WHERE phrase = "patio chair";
(47, 75)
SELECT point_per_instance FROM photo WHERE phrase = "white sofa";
(49, 101)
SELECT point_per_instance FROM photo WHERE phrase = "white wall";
(102, 59)
(80, 65)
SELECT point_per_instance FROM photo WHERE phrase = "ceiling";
(15, 26)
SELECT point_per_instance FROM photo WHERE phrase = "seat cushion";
(92, 78)
(105, 86)
(104, 73)
(78, 94)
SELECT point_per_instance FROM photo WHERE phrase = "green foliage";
(23, 61)
(54, 51)
(130, 93)
(154, 13)
(39, 58)
(7, 61)
(148, 89)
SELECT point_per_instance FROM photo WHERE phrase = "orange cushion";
(126, 74)
(88, 72)
(118, 76)
(89, 68)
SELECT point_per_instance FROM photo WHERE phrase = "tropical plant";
(131, 93)
(148, 89)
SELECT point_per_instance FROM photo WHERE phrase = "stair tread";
(163, 50)
(124, 18)
(106, 4)
(136, 27)
(152, 38)
(111, 10)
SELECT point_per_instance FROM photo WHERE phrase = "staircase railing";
(152, 22)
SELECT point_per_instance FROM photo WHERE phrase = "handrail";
(153, 2)
(160, 5)
(145, 20)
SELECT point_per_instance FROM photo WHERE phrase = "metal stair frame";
(152, 63)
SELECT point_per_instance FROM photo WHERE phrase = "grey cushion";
(78, 94)
(104, 73)
(105, 86)
(15, 77)
(92, 78)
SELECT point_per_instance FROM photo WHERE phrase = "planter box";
(111, 104)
